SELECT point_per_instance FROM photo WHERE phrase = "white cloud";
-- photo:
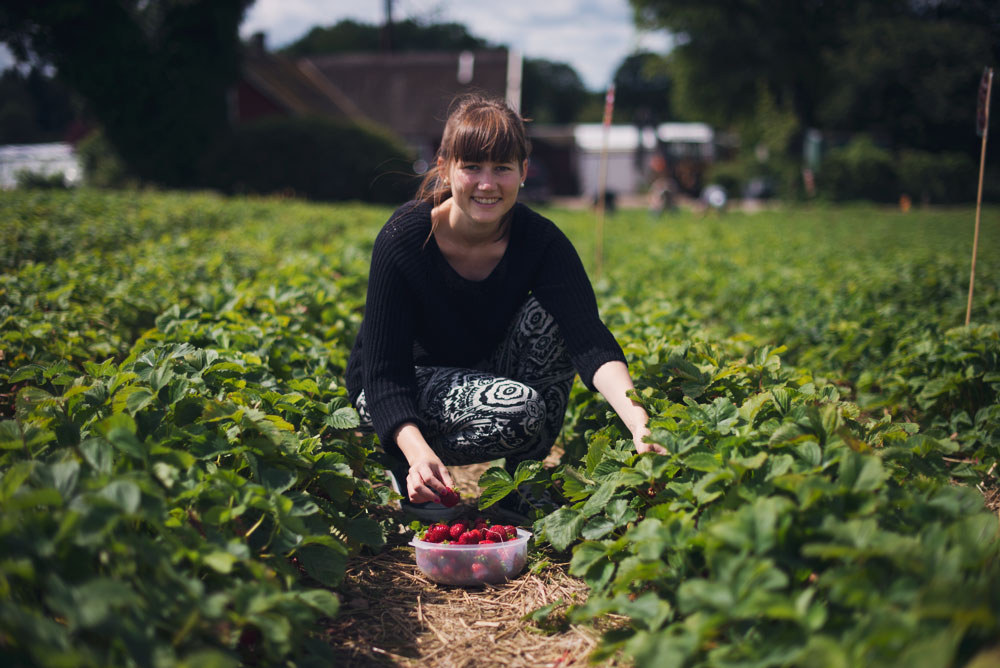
(593, 36)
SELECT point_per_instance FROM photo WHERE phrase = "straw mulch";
(391, 615)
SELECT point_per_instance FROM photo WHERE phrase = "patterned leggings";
(511, 406)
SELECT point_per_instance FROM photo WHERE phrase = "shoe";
(429, 511)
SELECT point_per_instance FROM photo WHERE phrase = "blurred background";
(769, 100)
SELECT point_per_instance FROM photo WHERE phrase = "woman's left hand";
(641, 445)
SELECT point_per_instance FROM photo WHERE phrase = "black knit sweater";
(420, 311)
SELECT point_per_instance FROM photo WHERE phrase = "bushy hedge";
(861, 170)
(315, 158)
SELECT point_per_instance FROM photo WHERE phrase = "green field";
(182, 484)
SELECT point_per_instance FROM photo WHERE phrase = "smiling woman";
(478, 316)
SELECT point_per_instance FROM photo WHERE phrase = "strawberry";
(481, 523)
(488, 541)
(511, 531)
(449, 497)
(480, 572)
(437, 533)
(470, 538)
(496, 534)
(457, 529)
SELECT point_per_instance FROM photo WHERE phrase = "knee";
(519, 410)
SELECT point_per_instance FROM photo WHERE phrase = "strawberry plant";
(181, 482)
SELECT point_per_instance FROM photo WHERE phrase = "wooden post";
(983, 125)
(602, 184)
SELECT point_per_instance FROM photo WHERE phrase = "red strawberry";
(457, 529)
(496, 534)
(488, 541)
(437, 533)
(470, 538)
(480, 572)
(449, 497)
(511, 531)
(481, 523)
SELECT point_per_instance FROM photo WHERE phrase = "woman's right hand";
(428, 475)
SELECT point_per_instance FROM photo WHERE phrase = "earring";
(522, 184)
(448, 184)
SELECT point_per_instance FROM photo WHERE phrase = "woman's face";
(484, 192)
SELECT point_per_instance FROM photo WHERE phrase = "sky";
(593, 36)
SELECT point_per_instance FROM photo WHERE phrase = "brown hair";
(478, 129)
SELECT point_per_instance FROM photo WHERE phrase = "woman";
(478, 316)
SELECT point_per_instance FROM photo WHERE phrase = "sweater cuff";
(588, 363)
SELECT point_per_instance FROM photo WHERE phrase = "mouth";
(486, 200)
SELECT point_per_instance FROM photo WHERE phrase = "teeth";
(485, 200)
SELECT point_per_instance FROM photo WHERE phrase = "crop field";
(182, 483)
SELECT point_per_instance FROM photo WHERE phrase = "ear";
(524, 167)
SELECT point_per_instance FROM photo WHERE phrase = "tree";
(551, 92)
(154, 73)
(642, 89)
(408, 35)
(33, 107)
(904, 68)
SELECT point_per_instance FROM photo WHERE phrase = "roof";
(409, 92)
(285, 85)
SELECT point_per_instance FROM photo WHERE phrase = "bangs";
(485, 135)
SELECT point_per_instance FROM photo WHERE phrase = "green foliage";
(903, 70)
(182, 490)
(154, 74)
(407, 35)
(316, 158)
(941, 178)
(181, 482)
(859, 170)
(102, 166)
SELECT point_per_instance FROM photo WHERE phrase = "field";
(182, 483)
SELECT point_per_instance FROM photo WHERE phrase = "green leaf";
(494, 484)
(871, 476)
(343, 418)
(120, 430)
(321, 600)
(600, 498)
(324, 563)
(598, 527)
(123, 493)
(99, 454)
(562, 527)
(585, 555)
(219, 561)
(526, 471)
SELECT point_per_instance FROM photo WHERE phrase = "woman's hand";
(641, 446)
(428, 475)
(427, 479)
(613, 381)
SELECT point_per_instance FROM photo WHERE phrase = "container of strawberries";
(468, 553)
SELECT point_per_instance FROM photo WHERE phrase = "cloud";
(593, 36)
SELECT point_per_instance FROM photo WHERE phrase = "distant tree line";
(904, 71)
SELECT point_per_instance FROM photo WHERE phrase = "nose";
(486, 179)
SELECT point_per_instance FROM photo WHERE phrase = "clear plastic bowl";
(466, 565)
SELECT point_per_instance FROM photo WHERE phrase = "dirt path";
(391, 615)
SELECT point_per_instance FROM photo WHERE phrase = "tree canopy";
(153, 73)
(904, 70)
(407, 35)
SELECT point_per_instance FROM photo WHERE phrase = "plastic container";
(467, 565)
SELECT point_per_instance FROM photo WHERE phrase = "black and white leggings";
(511, 406)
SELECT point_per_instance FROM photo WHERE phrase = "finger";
(420, 491)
